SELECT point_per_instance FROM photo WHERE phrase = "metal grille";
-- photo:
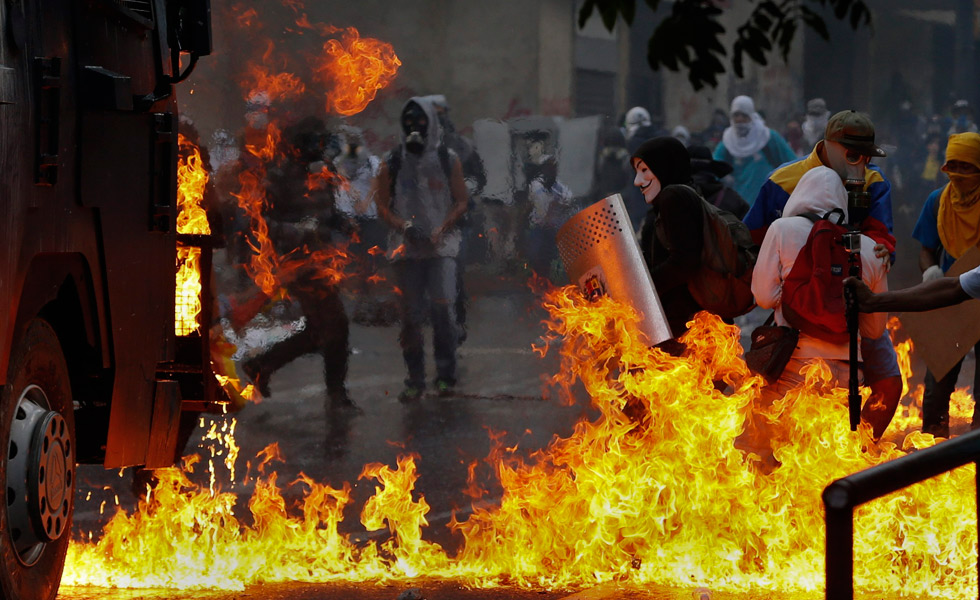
(601, 222)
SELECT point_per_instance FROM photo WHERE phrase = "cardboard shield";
(942, 337)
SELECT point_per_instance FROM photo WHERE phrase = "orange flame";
(192, 178)
(651, 491)
(355, 68)
(278, 86)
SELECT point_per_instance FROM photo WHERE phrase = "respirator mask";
(415, 125)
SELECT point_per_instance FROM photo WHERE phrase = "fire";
(651, 491)
(355, 68)
(192, 178)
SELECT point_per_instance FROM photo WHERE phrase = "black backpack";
(723, 285)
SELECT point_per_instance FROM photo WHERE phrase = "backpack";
(723, 284)
(813, 292)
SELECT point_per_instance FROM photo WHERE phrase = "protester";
(421, 194)
(927, 173)
(948, 226)
(636, 117)
(302, 219)
(359, 167)
(847, 148)
(681, 133)
(712, 134)
(551, 204)
(793, 134)
(962, 114)
(752, 148)
(707, 175)
(815, 122)
(672, 235)
(819, 191)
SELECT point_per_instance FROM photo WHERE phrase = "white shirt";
(970, 282)
(816, 192)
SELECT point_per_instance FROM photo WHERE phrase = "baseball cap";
(854, 131)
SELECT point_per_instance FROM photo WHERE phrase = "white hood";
(820, 190)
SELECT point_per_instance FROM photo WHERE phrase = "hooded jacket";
(423, 194)
(819, 191)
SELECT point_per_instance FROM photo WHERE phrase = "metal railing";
(841, 497)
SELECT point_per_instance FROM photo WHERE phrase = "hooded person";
(819, 191)
(672, 234)
(751, 147)
(815, 122)
(421, 195)
(949, 226)
(636, 117)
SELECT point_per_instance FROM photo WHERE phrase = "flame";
(651, 491)
(355, 68)
(277, 86)
(192, 178)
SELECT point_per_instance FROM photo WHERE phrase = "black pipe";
(843, 495)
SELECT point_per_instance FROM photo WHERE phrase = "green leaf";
(585, 12)
(860, 15)
(815, 22)
(841, 7)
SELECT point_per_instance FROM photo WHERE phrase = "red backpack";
(813, 292)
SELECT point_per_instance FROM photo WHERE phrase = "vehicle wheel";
(37, 433)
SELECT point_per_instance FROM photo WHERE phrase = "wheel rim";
(40, 475)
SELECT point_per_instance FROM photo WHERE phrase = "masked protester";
(636, 118)
(847, 149)
(672, 234)
(752, 148)
(819, 190)
(948, 226)
(815, 121)
(421, 194)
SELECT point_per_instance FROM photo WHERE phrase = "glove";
(933, 272)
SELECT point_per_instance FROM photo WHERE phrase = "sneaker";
(411, 393)
(444, 388)
(340, 401)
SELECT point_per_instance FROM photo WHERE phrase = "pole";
(853, 396)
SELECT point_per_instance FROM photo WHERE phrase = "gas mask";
(415, 125)
(858, 199)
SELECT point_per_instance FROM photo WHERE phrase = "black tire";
(36, 403)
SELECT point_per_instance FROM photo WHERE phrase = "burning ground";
(651, 490)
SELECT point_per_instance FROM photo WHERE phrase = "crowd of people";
(835, 178)
(417, 212)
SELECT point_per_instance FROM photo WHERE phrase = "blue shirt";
(768, 205)
(927, 229)
(750, 172)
